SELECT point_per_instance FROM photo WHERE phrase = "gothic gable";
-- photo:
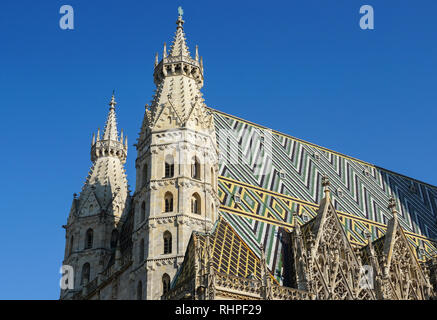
(90, 205)
(332, 271)
(199, 117)
(404, 277)
(167, 117)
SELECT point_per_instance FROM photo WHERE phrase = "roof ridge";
(321, 148)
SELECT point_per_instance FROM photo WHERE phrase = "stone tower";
(93, 223)
(176, 165)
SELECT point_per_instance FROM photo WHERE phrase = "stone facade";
(93, 225)
(169, 240)
(322, 265)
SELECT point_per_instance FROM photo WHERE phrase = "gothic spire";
(179, 61)
(179, 46)
(106, 184)
(111, 132)
(110, 144)
(178, 101)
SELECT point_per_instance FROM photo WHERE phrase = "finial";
(180, 22)
(98, 134)
(197, 52)
(326, 184)
(392, 207)
(156, 59)
(367, 235)
(164, 52)
(112, 103)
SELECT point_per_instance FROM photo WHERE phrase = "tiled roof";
(277, 176)
(230, 254)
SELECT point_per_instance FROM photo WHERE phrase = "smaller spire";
(392, 207)
(197, 52)
(265, 279)
(164, 51)
(326, 184)
(156, 59)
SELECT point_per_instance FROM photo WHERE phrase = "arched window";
(70, 248)
(144, 174)
(212, 178)
(143, 212)
(169, 167)
(165, 283)
(195, 204)
(114, 238)
(195, 168)
(140, 291)
(141, 251)
(168, 202)
(89, 239)
(86, 269)
(167, 242)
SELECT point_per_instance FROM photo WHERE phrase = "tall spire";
(179, 46)
(178, 78)
(178, 60)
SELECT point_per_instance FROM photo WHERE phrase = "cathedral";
(227, 209)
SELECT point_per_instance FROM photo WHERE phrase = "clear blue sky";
(301, 67)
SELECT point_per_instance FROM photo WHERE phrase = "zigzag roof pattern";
(274, 185)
